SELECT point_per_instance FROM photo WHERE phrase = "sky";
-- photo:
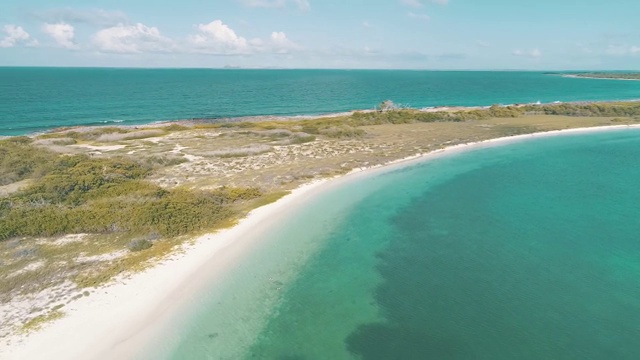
(344, 34)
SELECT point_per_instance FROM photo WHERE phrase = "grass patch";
(39, 321)
(242, 151)
(142, 134)
(268, 199)
(175, 127)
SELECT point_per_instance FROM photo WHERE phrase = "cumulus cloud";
(303, 5)
(279, 43)
(93, 17)
(16, 35)
(132, 39)
(219, 39)
(62, 33)
(534, 53)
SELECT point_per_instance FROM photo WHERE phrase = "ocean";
(527, 250)
(39, 99)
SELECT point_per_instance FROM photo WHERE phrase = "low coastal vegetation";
(79, 194)
(80, 206)
(609, 75)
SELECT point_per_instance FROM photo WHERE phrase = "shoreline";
(264, 118)
(571, 76)
(146, 304)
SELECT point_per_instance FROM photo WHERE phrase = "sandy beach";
(122, 320)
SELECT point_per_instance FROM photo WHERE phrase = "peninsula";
(82, 208)
(607, 75)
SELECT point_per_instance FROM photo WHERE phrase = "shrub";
(79, 194)
(242, 151)
(301, 138)
(139, 245)
(175, 127)
(342, 132)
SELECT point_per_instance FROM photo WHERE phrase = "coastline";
(595, 78)
(147, 303)
(265, 118)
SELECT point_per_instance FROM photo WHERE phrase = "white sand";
(121, 320)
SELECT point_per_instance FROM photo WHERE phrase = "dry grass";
(142, 134)
(39, 321)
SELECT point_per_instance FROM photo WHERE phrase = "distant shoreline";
(265, 118)
(103, 326)
(578, 76)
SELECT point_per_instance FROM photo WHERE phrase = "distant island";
(606, 75)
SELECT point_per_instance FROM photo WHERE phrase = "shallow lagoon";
(528, 250)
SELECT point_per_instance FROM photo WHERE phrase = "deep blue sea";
(37, 99)
(523, 251)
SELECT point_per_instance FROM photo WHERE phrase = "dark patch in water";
(535, 265)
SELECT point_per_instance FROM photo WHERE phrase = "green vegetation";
(605, 75)
(139, 245)
(621, 109)
(175, 127)
(110, 134)
(268, 199)
(20, 160)
(37, 322)
(80, 194)
(346, 126)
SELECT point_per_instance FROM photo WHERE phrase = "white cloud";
(535, 53)
(423, 17)
(132, 39)
(62, 33)
(303, 5)
(219, 39)
(16, 35)
(280, 43)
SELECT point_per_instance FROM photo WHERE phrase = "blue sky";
(387, 34)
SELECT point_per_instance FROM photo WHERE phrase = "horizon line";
(302, 68)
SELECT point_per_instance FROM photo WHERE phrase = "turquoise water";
(521, 251)
(37, 99)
